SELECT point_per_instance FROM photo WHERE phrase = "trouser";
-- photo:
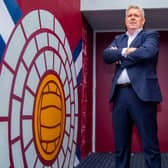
(129, 109)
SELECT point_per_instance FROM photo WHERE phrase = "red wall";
(86, 90)
(104, 72)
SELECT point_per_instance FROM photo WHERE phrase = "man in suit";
(135, 89)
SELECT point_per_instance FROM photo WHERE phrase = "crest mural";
(39, 78)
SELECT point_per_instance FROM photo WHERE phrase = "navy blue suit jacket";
(140, 64)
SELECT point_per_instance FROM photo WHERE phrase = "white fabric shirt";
(124, 78)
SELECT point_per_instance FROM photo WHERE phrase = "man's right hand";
(130, 50)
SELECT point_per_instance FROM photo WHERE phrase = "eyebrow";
(133, 14)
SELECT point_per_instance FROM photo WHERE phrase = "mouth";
(132, 23)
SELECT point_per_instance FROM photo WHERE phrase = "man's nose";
(132, 17)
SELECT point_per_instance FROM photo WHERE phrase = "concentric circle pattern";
(42, 93)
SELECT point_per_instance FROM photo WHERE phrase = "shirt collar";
(135, 33)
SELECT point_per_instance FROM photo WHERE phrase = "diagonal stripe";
(13, 9)
(78, 63)
(10, 13)
(79, 78)
(6, 22)
(77, 50)
(77, 56)
(2, 47)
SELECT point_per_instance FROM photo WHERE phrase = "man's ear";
(144, 22)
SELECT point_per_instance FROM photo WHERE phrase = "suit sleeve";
(112, 55)
(146, 52)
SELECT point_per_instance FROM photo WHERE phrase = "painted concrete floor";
(106, 160)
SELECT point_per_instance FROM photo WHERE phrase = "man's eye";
(133, 15)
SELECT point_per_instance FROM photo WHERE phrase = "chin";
(133, 28)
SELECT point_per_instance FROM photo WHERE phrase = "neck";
(131, 32)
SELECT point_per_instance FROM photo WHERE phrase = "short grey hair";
(135, 7)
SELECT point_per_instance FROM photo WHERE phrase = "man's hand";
(130, 50)
(113, 48)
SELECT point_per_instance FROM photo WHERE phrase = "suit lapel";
(136, 39)
(124, 41)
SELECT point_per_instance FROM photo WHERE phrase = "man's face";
(134, 19)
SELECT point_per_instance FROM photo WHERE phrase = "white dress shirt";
(124, 78)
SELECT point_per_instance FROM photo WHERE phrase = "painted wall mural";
(39, 79)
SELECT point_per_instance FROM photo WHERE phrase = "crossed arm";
(125, 52)
(144, 52)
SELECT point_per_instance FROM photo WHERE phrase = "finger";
(113, 48)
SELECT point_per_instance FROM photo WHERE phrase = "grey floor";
(106, 160)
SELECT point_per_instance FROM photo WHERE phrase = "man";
(135, 90)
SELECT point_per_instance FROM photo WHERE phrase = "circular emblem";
(49, 117)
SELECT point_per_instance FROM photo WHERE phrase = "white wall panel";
(121, 4)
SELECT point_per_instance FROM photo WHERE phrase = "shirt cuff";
(123, 52)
